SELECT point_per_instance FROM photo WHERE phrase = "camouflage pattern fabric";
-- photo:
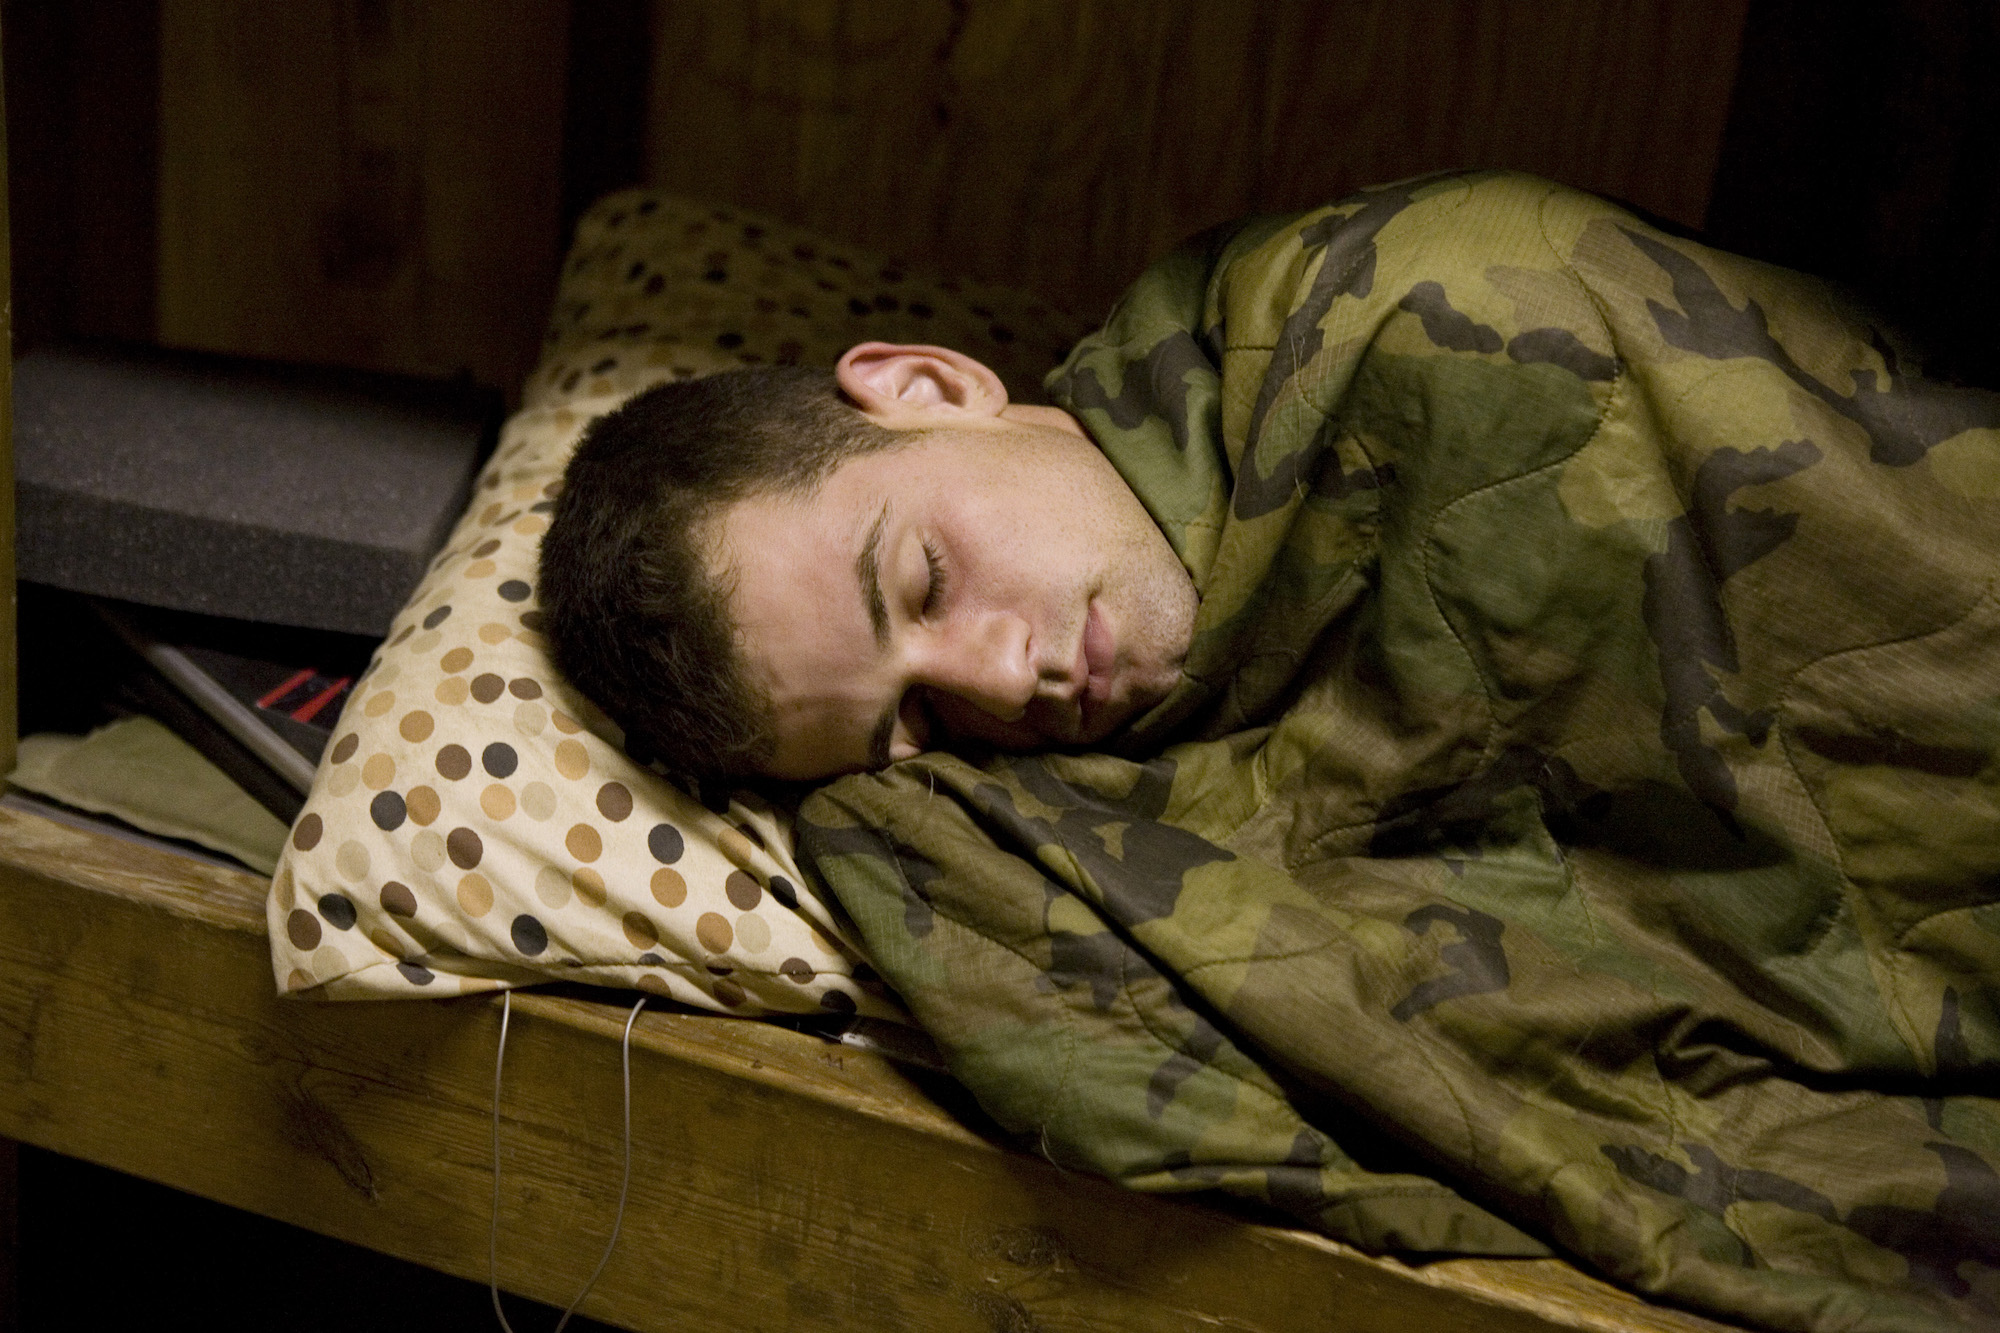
(1581, 822)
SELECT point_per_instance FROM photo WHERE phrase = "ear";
(909, 386)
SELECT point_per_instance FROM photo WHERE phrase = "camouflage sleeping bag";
(1580, 824)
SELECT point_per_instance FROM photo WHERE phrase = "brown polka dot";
(584, 843)
(417, 726)
(386, 942)
(453, 762)
(302, 928)
(669, 887)
(589, 886)
(640, 931)
(492, 511)
(649, 983)
(744, 892)
(614, 802)
(797, 969)
(307, 835)
(475, 895)
(378, 772)
(487, 687)
(344, 748)
(714, 932)
(458, 659)
(397, 900)
(729, 992)
(497, 801)
(494, 632)
(735, 846)
(525, 687)
(486, 548)
(422, 804)
(572, 760)
(462, 845)
(566, 724)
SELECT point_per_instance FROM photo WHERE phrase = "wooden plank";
(778, 1182)
(1061, 145)
(362, 182)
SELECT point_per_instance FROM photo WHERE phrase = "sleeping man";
(1470, 721)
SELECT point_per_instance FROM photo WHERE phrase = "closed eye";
(934, 590)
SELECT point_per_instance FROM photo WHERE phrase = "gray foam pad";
(282, 494)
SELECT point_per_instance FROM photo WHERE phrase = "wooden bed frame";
(779, 1182)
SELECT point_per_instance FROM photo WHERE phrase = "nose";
(984, 660)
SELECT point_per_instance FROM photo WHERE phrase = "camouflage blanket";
(1581, 823)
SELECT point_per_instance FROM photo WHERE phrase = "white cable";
(624, 1183)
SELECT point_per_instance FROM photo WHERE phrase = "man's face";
(998, 583)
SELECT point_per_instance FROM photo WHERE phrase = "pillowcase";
(475, 823)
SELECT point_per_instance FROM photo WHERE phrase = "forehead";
(789, 566)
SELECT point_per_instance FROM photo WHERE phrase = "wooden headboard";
(1059, 145)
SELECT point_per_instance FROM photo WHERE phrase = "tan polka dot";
(479, 569)
(669, 887)
(589, 886)
(300, 980)
(379, 703)
(736, 847)
(452, 691)
(458, 659)
(493, 632)
(566, 724)
(527, 490)
(640, 931)
(753, 933)
(378, 772)
(552, 887)
(529, 719)
(487, 687)
(497, 801)
(342, 780)
(416, 726)
(351, 860)
(387, 943)
(492, 511)
(344, 748)
(282, 891)
(427, 850)
(422, 804)
(531, 525)
(651, 984)
(713, 931)
(614, 801)
(538, 800)
(328, 962)
(572, 760)
(381, 673)
(584, 843)
(426, 641)
(475, 895)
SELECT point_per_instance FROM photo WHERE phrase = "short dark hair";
(634, 616)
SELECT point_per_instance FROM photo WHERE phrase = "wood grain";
(1062, 144)
(364, 182)
(779, 1183)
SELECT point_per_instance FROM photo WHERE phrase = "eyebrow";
(868, 569)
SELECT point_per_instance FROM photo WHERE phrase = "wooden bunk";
(779, 1182)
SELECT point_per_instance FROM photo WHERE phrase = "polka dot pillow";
(475, 823)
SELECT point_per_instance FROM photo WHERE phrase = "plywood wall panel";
(1060, 144)
(365, 182)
